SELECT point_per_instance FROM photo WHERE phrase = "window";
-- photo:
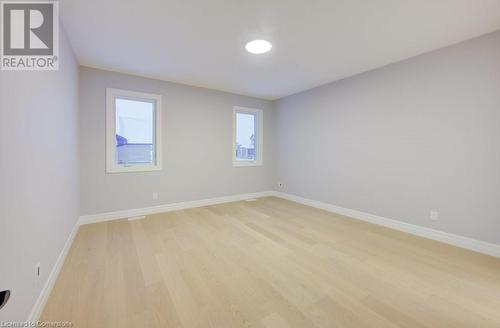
(247, 136)
(132, 131)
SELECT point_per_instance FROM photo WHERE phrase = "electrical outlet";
(434, 215)
(155, 196)
(36, 275)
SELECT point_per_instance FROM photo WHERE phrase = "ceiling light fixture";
(258, 46)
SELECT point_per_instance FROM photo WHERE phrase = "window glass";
(134, 132)
(245, 137)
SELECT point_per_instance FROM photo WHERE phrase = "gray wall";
(197, 146)
(399, 141)
(38, 175)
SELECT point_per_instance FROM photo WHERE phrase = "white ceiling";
(201, 42)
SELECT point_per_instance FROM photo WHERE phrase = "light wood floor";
(269, 263)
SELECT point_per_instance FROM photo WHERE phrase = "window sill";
(133, 168)
(246, 163)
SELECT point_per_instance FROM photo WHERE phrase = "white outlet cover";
(36, 277)
(37, 271)
(434, 215)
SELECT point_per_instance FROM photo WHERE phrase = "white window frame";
(111, 165)
(259, 131)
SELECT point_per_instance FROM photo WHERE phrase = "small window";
(132, 131)
(247, 136)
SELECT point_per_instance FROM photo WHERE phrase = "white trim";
(51, 280)
(448, 238)
(259, 131)
(94, 218)
(445, 237)
(111, 95)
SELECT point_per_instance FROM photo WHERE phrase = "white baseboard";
(94, 218)
(36, 312)
(448, 238)
(445, 237)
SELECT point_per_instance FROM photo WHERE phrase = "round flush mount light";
(258, 46)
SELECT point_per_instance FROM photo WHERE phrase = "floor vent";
(136, 218)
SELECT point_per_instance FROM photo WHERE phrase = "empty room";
(269, 164)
